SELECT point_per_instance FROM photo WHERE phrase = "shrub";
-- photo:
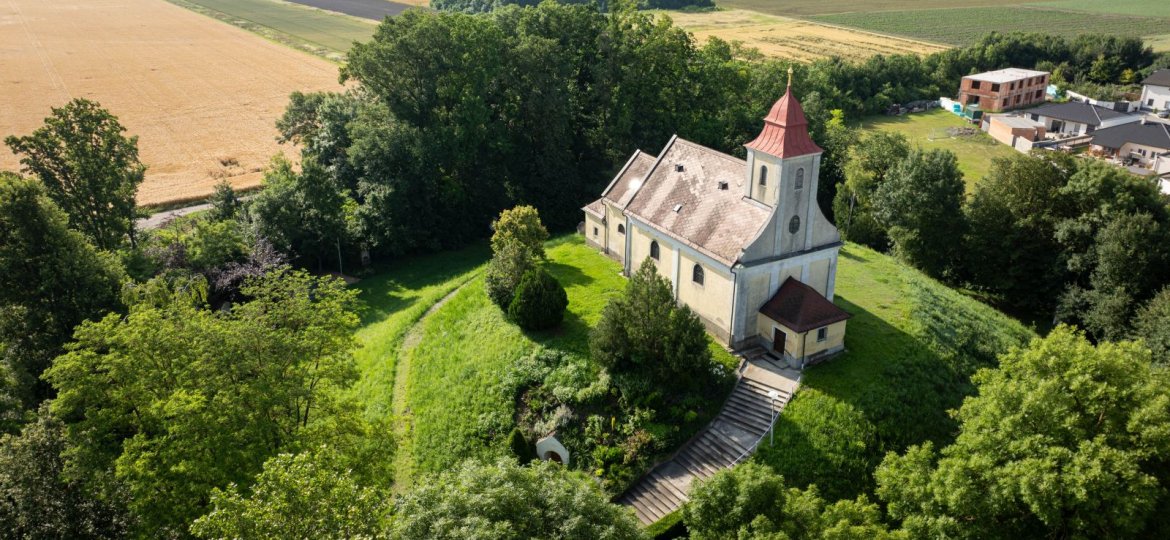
(504, 272)
(539, 302)
(520, 224)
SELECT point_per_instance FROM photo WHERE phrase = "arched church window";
(654, 249)
(697, 274)
(621, 229)
(763, 175)
(800, 178)
(794, 224)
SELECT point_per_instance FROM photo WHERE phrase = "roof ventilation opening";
(677, 207)
(723, 185)
(678, 167)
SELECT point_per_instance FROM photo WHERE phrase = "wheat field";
(202, 96)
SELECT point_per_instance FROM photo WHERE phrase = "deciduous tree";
(89, 168)
(507, 501)
(1064, 440)
(920, 203)
(307, 495)
(51, 279)
(174, 399)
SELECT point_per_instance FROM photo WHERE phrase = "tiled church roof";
(696, 195)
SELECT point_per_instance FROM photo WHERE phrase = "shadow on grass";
(395, 286)
(568, 275)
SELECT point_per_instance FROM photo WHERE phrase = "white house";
(743, 242)
(1156, 91)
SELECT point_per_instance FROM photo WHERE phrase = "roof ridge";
(723, 155)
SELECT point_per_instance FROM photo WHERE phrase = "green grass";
(911, 345)
(395, 299)
(928, 131)
(467, 346)
(320, 32)
(963, 26)
(1147, 8)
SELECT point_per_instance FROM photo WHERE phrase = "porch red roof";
(801, 308)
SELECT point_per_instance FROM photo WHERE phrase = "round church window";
(794, 224)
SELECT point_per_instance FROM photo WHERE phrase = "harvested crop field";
(782, 37)
(804, 8)
(201, 95)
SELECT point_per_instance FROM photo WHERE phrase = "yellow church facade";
(743, 242)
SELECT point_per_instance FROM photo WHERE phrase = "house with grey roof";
(1145, 144)
(742, 242)
(1156, 91)
(1077, 118)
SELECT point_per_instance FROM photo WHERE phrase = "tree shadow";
(567, 274)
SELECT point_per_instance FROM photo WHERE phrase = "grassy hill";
(911, 345)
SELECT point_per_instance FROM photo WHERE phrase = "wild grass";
(928, 131)
(912, 345)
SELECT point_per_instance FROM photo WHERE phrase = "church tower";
(783, 168)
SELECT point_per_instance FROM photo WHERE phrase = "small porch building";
(800, 325)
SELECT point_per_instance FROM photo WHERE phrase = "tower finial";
(789, 76)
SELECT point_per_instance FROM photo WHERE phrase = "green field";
(1146, 8)
(804, 8)
(320, 32)
(963, 26)
(928, 131)
(910, 346)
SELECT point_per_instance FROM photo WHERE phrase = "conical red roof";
(785, 132)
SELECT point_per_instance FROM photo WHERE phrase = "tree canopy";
(505, 500)
(1064, 440)
(51, 279)
(174, 399)
(89, 168)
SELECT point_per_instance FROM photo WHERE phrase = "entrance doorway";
(778, 339)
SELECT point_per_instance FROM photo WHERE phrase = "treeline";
(455, 117)
(1047, 236)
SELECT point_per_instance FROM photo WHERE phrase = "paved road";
(366, 9)
(156, 221)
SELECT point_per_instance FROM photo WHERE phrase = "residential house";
(1018, 132)
(1145, 144)
(1156, 91)
(1003, 89)
(1077, 118)
(743, 242)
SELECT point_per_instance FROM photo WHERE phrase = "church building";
(743, 243)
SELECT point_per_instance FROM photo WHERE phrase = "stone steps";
(744, 420)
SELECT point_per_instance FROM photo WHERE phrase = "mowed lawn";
(908, 332)
(454, 398)
(292, 24)
(929, 131)
(964, 26)
(395, 299)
